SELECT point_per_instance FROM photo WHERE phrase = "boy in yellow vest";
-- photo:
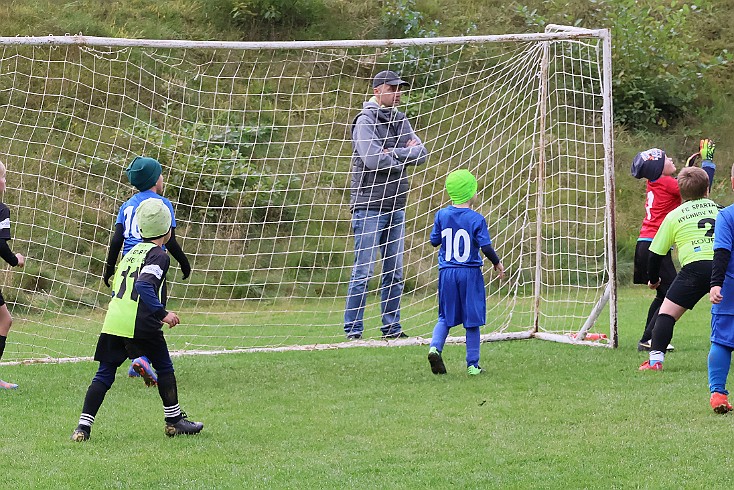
(133, 324)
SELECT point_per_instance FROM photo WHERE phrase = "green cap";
(154, 218)
(461, 186)
(143, 172)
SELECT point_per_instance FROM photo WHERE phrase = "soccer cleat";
(720, 403)
(7, 386)
(142, 367)
(183, 426)
(80, 435)
(647, 346)
(474, 370)
(395, 335)
(646, 366)
(354, 336)
(437, 365)
(131, 372)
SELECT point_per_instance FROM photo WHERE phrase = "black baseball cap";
(388, 77)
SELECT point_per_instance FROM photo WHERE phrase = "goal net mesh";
(256, 151)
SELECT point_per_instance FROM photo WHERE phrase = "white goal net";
(254, 139)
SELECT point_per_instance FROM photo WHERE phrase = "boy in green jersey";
(133, 323)
(690, 227)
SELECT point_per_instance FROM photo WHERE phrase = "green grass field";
(544, 415)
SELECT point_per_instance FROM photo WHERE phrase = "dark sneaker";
(354, 336)
(183, 426)
(437, 365)
(80, 435)
(395, 335)
(647, 346)
(142, 367)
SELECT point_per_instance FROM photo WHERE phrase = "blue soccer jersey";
(724, 238)
(127, 217)
(462, 233)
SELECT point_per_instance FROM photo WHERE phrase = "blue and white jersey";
(129, 220)
(462, 233)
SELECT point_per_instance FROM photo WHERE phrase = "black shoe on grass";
(183, 426)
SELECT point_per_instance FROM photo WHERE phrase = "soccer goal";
(254, 139)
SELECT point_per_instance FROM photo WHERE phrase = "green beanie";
(143, 172)
(154, 218)
(461, 186)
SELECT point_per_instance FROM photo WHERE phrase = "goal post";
(254, 140)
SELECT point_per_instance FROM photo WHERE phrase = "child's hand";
(707, 148)
(715, 295)
(500, 269)
(21, 260)
(653, 286)
(411, 142)
(171, 319)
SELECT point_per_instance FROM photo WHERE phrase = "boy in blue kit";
(133, 323)
(146, 175)
(461, 233)
(722, 312)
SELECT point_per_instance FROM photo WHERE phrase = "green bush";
(278, 12)
(658, 70)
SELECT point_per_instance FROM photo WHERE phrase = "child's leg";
(472, 346)
(176, 421)
(101, 383)
(719, 363)
(157, 351)
(440, 332)
(5, 323)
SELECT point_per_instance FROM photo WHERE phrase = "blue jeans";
(375, 230)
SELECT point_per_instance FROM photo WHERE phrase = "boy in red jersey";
(662, 196)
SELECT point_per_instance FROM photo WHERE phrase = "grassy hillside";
(314, 19)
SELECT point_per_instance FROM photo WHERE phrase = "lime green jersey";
(690, 227)
(123, 310)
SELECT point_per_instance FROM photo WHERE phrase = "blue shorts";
(461, 296)
(722, 329)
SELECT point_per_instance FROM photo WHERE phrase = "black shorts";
(114, 350)
(642, 258)
(2, 300)
(692, 283)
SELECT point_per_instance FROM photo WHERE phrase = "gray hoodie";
(379, 178)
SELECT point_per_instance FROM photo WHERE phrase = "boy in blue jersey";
(146, 175)
(461, 233)
(722, 312)
(134, 321)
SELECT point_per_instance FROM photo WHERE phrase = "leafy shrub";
(278, 12)
(658, 71)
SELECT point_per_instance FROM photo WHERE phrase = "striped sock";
(172, 413)
(86, 420)
(656, 356)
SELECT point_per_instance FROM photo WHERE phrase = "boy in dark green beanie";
(146, 175)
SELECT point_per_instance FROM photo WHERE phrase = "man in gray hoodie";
(384, 146)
